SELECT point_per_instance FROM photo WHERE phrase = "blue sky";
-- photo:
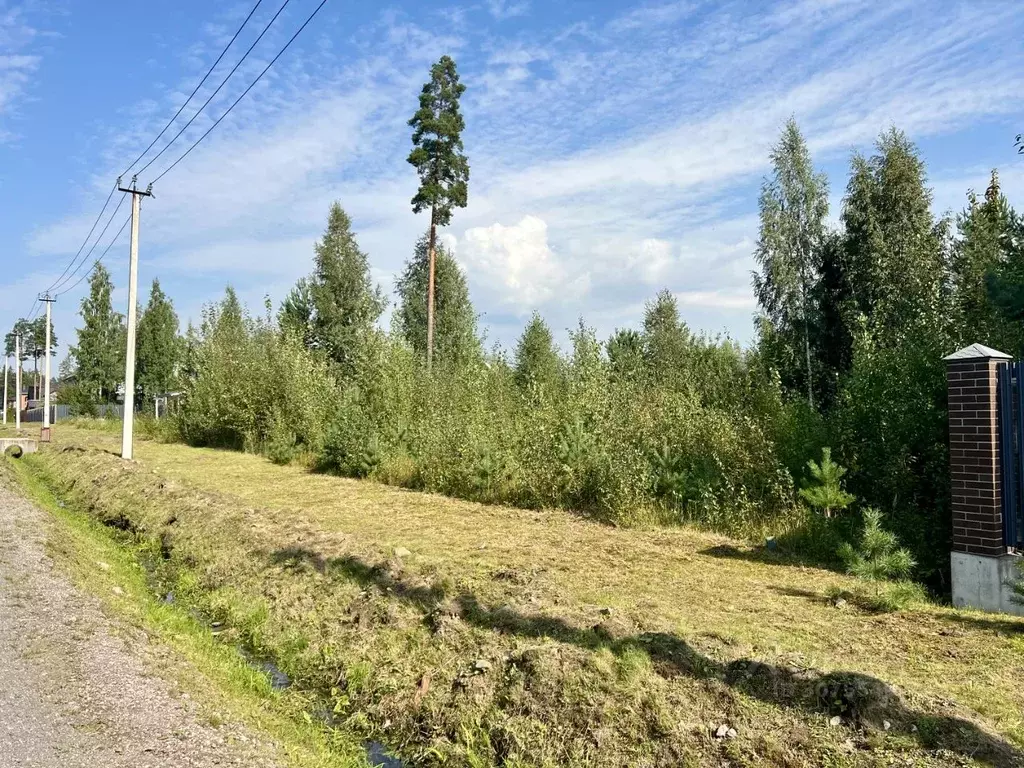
(616, 148)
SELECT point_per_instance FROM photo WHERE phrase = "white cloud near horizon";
(609, 159)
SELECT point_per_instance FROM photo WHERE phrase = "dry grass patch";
(489, 635)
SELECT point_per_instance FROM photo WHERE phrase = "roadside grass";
(493, 636)
(213, 674)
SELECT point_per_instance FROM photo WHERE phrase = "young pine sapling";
(825, 489)
(879, 556)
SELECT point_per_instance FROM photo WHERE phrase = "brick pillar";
(974, 461)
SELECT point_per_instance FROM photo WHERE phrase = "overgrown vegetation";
(461, 634)
(656, 425)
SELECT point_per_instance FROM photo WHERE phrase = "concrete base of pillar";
(986, 582)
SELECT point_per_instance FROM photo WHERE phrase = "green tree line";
(656, 424)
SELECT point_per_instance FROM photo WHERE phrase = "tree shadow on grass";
(858, 698)
(761, 554)
(807, 594)
(985, 622)
(995, 623)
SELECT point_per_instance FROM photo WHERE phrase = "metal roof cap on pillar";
(977, 352)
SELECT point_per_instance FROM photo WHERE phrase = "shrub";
(250, 387)
(80, 402)
(891, 424)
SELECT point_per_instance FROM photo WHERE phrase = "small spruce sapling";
(825, 490)
(879, 557)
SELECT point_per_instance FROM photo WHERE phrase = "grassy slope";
(700, 630)
(180, 648)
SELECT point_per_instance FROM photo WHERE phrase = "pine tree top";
(437, 138)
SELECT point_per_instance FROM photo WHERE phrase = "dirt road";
(74, 687)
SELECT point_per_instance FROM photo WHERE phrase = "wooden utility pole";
(46, 299)
(7, 361)
(17, 381)
(133, 289)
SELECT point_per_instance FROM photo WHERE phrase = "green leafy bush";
(247, 386)
(695, 443)
(80, 402)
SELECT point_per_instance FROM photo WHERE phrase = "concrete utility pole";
(46, 386)
(133, 289)
(17, 381)
(7, 362)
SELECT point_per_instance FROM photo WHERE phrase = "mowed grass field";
(469, 634)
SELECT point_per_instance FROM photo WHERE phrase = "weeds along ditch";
(452, 669)
(161, 575)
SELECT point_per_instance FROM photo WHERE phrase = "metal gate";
(1011, 450)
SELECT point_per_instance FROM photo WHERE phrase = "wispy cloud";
(17, 66)
(506, 9)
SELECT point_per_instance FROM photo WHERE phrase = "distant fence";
(57, 412)
(63, 412)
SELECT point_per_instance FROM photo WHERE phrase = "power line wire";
(212, 95)
(194, 90)
(68, 288)
(61, 278)
(98, 260)
(93, 248)
(84, 242)
(251, 86)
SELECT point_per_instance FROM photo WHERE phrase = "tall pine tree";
(794, 205)
(897, 262)
(100, 348)
(36, 342)
(441, 164)
(891, 421)
(24, 328)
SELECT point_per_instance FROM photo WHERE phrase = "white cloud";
(724, 299)
(652, 259)
(517, 264)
